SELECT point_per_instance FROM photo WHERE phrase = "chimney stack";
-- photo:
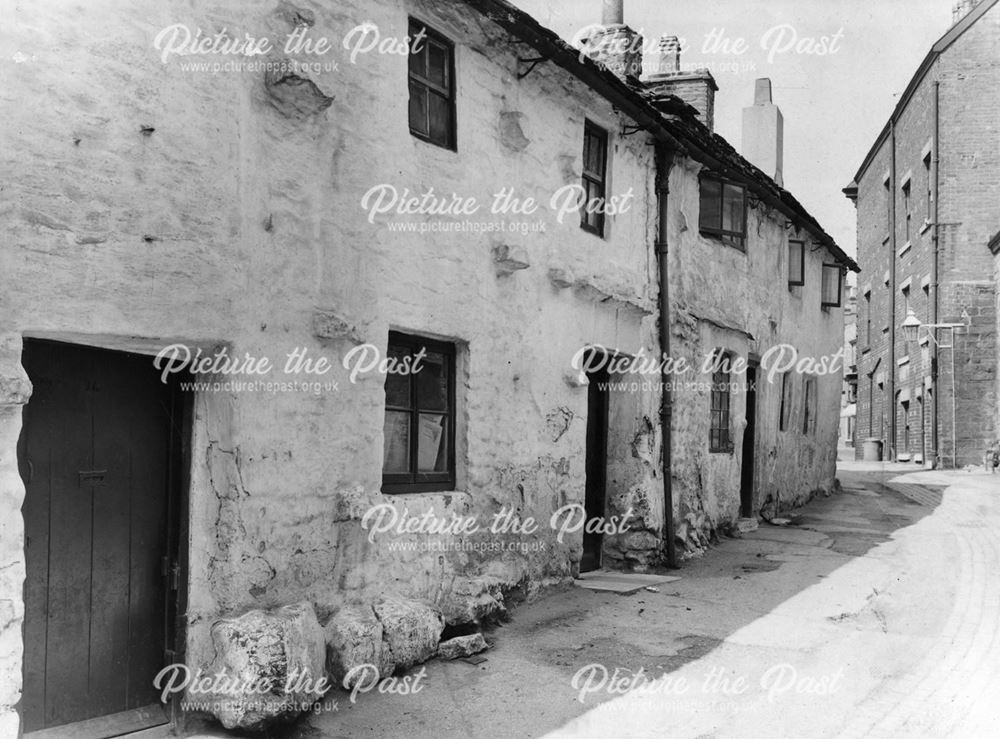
(697, 88)
(763, 132)
(616, 45)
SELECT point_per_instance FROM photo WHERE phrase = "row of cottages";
(220, 273)
(926, 196)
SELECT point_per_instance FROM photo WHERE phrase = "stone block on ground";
(462, 646)
(274, 663)
(354, 637)
(411, 630)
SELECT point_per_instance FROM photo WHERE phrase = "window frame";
(868, 319)
(432, 88)
(591, 131)
(414, 481)
(785, 405)
(718, 232)
(824, 303)
(930, 186)
(809, 409)
(802, 263)
(907, 189)
(720, 434)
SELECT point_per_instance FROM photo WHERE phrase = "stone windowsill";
(885, 239)
(905, 248)
(927, 225)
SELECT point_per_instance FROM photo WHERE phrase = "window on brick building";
(785, 412)
(432, 87)
(930, 186)
(905, 291)
(907, 208)
(419, 451)
(595, 163)
(888, 207)
(868, 319)
(723, 213)
(720, 438)
(796, 262)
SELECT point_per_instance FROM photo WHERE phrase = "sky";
(834, 104)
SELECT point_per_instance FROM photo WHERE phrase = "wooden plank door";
(95, 457)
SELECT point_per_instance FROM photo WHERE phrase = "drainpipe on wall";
(934, 274)
(664, 159)
(892, 293)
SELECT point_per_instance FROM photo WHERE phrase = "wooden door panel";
(65, 421)
(95, 599)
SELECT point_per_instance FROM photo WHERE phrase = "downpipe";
(664, 161)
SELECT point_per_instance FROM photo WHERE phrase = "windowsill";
(924, 341)
(411, 493)
(927, 225)
(903, 360)
(718, 239)
(905, 248)
(866, 350)
(885, 239)
(593, 232)
(451, 148)
(729, 451)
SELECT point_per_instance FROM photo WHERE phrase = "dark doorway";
(596, 464)
(100, 455)
(749, 439)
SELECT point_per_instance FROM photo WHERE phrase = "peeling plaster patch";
(566, 164)
(561, 278)
(327, 324)
(509, 259)
(295, 16)
(292, 95)
(511, 134)
(558, 422)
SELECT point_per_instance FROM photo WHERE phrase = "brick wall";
(969, 188)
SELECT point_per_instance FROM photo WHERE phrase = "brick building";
(928, 202)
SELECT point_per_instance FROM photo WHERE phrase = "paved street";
(875, 613)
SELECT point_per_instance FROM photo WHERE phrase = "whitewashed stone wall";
(156, 204)
(724, 298)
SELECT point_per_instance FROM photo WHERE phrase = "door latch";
(94, 477)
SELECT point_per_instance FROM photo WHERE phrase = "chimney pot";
(613, 13)
(669, 49)
(762, 91)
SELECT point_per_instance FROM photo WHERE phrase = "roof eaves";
(685, 134)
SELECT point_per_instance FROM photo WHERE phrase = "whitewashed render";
(155, 204)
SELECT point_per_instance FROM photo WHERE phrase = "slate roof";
(670, 121)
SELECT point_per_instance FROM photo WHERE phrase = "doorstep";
(620, 582)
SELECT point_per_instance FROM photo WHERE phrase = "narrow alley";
(873, 613)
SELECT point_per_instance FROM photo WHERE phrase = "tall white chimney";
(764, 132)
